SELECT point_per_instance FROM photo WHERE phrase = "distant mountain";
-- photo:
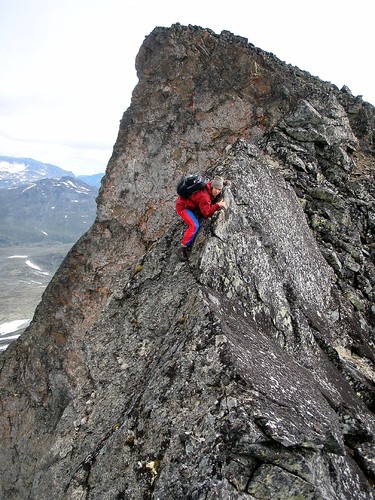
(44, 210)
(93, 180)
(16, 171)
(48, 210)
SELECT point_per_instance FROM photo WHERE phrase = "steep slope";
(247, 372)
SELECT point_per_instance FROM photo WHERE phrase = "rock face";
(246, 372)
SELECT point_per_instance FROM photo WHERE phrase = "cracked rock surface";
(246, 372)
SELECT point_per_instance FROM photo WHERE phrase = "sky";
(67, 67)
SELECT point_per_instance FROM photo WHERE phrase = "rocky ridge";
(246, 373)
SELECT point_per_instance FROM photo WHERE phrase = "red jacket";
(201, 200)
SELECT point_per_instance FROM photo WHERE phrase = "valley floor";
(25, 271)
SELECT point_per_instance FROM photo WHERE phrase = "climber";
(206, 202)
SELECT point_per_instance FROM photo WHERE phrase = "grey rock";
(246, 372)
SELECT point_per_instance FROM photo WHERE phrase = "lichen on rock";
(246, 372)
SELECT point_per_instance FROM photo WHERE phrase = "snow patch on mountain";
(12, 167)
(29, 187)
(29, 263)
(33, 266)
(37, 268)
(16, 171)
(7, 331)
(13, 326)
(76, 187)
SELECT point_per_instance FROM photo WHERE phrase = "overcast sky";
(67, 66)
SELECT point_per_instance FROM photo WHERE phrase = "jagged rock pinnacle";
(246, 372)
